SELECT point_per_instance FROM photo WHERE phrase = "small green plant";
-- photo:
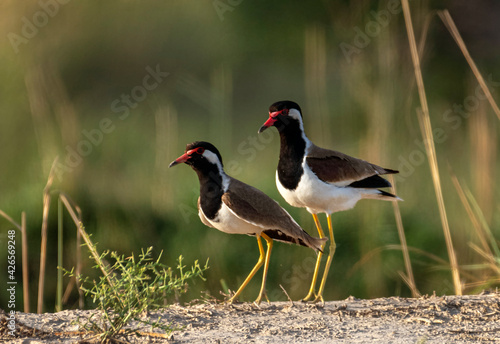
(131, 286)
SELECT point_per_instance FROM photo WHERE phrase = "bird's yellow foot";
(259, 298)
(309, 297)
(231, 300)
(319, 298)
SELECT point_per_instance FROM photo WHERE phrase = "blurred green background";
(74, 84)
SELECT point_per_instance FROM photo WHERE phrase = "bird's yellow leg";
(252, 273)
(333, 246)
(266, 266)
(311, 293)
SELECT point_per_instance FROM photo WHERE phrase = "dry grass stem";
(492, 261)
(10, 219)
(450, 25)
(43, 245)
(77, 220)
(421, 47)
(423, 34)
(76, 215)
(24, 249)
(483, 159)
(409, 279)
(441, 263)
(288, 296)
(78, 267)
(60, 254)
(426, 128)
(484, 224)
(471, 214)
(69, 288)
(482, 283)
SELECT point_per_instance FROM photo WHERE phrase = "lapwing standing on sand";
(320, 180)
(234, 207)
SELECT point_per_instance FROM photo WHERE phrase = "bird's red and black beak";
(186, 157)
(183, 158)
(273, 117)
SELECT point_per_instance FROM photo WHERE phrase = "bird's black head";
(281, 114)
(199, 155)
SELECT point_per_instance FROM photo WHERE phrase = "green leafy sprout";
(132, 286)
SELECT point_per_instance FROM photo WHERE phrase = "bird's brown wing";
(336, 167)
(254, 206)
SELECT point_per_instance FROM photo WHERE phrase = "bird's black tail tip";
(388, 196)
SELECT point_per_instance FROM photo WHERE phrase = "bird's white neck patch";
(295, 114)
(214, 159)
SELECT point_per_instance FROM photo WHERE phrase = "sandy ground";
(449, 319)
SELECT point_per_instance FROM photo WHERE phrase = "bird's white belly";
(317, 196)
(227, 222)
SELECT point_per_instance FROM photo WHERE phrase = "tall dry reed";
(426, 129)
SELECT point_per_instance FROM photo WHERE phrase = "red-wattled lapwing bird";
(234, 207)
(320, 180)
